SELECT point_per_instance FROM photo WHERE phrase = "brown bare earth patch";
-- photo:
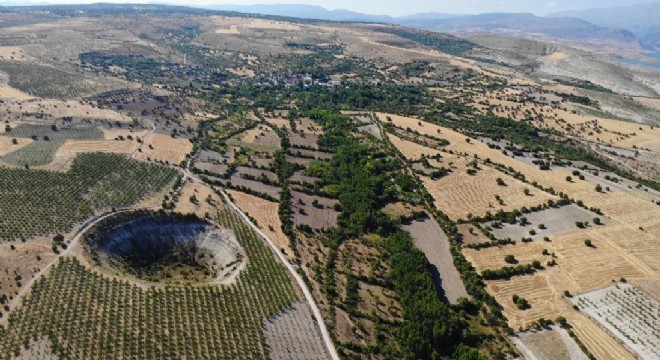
(429, 237)
(266, 214)
(164, 148)
(395, 210)
(292, 334)
(472, 235)
(318, 217)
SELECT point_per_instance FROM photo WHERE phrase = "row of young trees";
(86, 315)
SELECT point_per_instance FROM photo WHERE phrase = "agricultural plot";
(320, 155)
(37, 153)
(552, 344)
(429, 237)
(628, 313)
(261, 175)
(460, 193)
(314, 211)
(166, 149)
(266, 215)
(292, 334)
(49, 82)
(176, 322)
(304, 140)
(7, 145)
(197, 198)
(300, 177)
(260, 138)
(471, 235)
(41, 202)
(578, 268)
(548, 222)
(41, 132)
(254, 186)
(66, 154)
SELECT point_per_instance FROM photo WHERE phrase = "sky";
(395, 7)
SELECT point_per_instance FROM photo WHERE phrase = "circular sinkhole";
(159, 246)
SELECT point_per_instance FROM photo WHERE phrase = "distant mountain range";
(641, 19)
(635, 24)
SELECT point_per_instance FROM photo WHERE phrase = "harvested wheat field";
(292, 334)
(118, 133)
(429, 237)
(200, 116)
(199, 199)
(578, 268)
(66, 153)
(7, 145)
(460, 194)
(260, 138)
(57, 109)
(266, 215)
(411, 150)
(164, 148)
(548, 344)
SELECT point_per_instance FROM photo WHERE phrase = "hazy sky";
(398, 7)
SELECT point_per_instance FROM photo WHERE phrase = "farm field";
(548, 344)
(429, 237)
(548, 222)
(288, 335)
(260, 138)
(156, 313)
(460, 194)
(266, 215)
(95, 182)
(164, 148)
(188, 183)
(319, 216)
(626, 312)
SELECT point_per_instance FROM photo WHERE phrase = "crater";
(165, 247)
